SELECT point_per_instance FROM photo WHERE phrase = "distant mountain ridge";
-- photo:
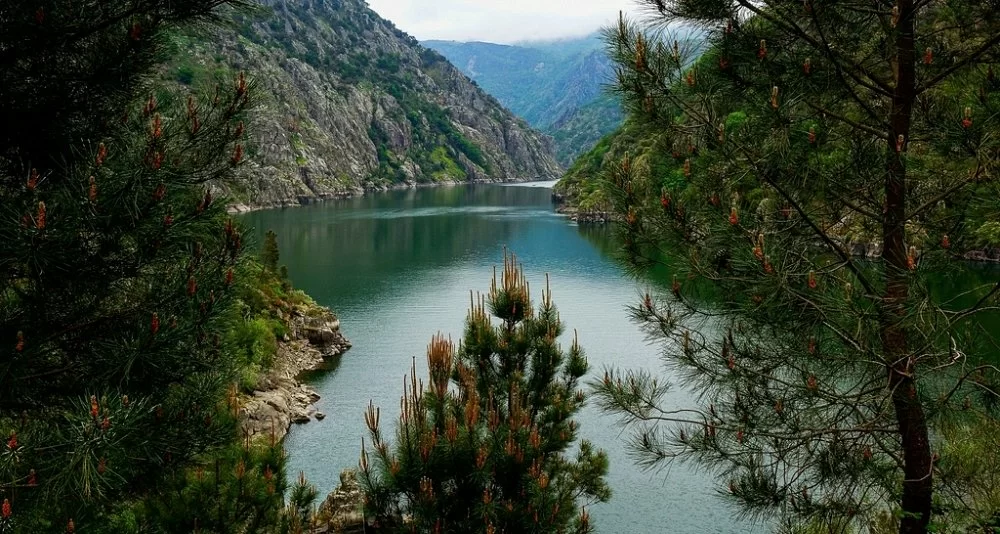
(557, 86)
(350, 102)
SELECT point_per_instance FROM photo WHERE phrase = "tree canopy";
(827, 159)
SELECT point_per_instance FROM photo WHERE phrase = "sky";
(499, 21)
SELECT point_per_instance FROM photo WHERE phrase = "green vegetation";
(486, 446)
(131, 315)
(840, 393)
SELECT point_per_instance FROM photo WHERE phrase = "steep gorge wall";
(348, 103)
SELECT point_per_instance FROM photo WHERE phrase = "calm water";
(397, 268)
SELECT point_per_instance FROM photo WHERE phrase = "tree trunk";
(910, 417)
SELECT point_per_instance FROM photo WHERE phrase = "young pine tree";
(486, 447)
(116, 264)
(270, 255)
(811, 130)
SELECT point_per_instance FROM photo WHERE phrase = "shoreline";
(355, 192)
(283, 398)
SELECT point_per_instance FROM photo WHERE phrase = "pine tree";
(485, 447)
(269, 255)
(810, 131)
(116, 262)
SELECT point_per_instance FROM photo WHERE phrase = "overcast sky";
(499, 21)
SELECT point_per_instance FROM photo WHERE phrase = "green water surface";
(397, 267)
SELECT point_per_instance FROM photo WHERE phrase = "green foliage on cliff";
(350, 101)
(487, 446)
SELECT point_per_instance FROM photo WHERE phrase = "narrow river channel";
(397, 267)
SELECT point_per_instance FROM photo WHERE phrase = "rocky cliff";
(349, 102)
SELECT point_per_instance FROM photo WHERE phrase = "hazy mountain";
(557, 86)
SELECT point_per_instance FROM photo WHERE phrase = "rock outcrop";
(342, 510)
(347, 102)
(281, 399)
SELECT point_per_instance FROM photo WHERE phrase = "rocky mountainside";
(557, 86)
(349, 102)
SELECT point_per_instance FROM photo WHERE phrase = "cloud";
(499, 21)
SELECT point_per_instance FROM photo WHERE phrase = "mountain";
(557, 86)
(350, 102)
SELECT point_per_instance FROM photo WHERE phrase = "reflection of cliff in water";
(350, 243)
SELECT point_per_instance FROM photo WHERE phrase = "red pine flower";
(867, 453)
(665, 201)
(967, 118)
(811, 383)
(192, 286)
(156, 127)
(945, 242)
(758, 252)
(168, 220)
(32, 479)
(40, 218)
(928, 56)
(102, 466)
(40, 15)
(6, 511)
(812, 136)
(102, 154)
(157, 160)
(94, 408)
(812, 345)
(70, 527)
(676, 287)
(768, 268)
(734, 217)
(150, 106)
(690, 78)
(237, 154)
(229, 277)
(762, 51)
(739, 435)
(12, 442)
(723, 63)
(239, 130)
(92, 191)
(160, 192)
(807, 67)
(19, 347)
(812, 280)
(241, 85)
(136, 32)
(154, 325)
(687, 168)
(32, 180)
(648, 302)
(911, 259)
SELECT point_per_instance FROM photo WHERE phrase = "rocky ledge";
(342, 510)
(281, 398)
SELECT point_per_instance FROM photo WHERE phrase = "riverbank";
(359, 191)
(281, 398)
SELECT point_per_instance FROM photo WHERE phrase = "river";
(397, 267)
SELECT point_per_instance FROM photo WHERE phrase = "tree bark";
(910, 417)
